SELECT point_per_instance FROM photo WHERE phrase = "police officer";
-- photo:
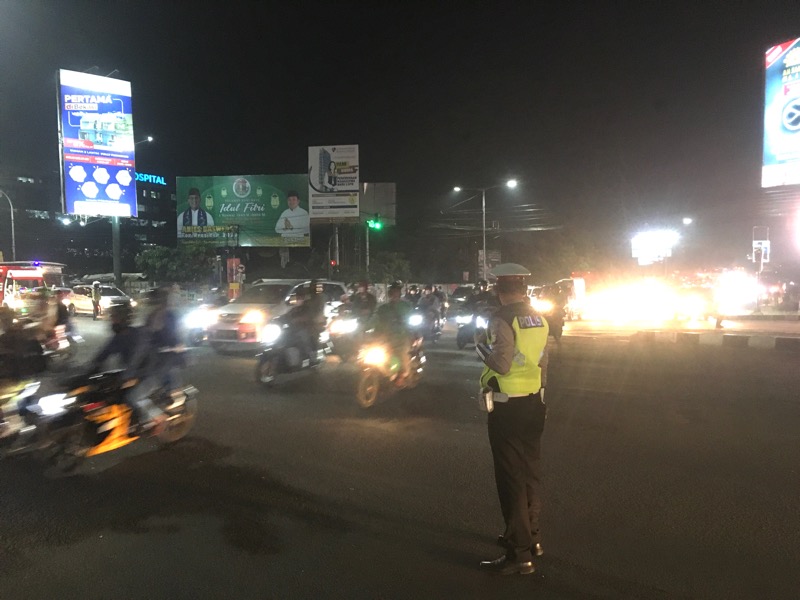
(515, 360)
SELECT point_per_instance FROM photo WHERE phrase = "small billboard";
(781, 163)
(96, 144)
(333, 183)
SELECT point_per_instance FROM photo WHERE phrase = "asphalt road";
(671, 472)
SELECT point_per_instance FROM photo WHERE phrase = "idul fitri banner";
(248, 210)
(333, 182)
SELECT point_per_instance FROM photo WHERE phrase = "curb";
(725, 340)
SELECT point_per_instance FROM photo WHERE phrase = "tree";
(385, 267)
(185, 264)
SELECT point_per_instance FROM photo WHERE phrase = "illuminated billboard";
(96, 145)
(244, 210)
(333, 182)
(781, 165)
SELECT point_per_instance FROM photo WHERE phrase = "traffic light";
(375, 224)
(333, 263)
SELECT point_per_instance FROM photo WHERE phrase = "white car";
(80, 301)
(238, 325)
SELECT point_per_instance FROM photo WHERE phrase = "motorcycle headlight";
(481, 323)
(271, 333)
(463, 319)
(542, 306)
(344, 326)
(376, 356)
(133, 303)
(54, 404)
(253, 317)
(415, 320)
(105, 302)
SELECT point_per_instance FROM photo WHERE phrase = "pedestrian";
(512, 382)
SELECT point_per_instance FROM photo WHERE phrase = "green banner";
(244, 210)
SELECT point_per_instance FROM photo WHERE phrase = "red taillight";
(93, 406)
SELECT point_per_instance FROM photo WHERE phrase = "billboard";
(781, 164)
(243, 210)
(96, 145)
(333, 176)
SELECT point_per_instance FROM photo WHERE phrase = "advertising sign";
(781, 165)
(96, 145)
(333, 176)
(243, 210)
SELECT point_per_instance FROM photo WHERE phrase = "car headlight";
(133, 303)
(253, 317)
(542, 306)
(344, 326)
(415, 320)
(105, 302)
(271, 333)
(481, 323)
(198, 319)
(463, 319)
(376, 356)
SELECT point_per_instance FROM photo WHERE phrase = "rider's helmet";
(483, 285)
(95, 284)
(428, 287)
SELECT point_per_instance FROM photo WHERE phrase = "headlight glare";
(344, 326)
(481, 323)
(253, 317)
(376, 356)
(271, 333)
(415, 320)
(463, 319)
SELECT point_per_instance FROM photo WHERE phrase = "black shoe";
(504, 566)
(536, 549)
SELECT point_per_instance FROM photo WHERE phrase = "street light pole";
(483, 210)
(13, 238)
(511, 183)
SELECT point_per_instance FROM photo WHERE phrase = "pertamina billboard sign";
(333, 182)
(97, 145)
(781, 165)
(243, 210)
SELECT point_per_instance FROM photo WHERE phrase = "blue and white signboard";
(781, 164)
(97, 145)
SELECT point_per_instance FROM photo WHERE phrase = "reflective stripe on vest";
(530, 339)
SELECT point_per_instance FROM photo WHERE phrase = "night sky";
(611, 114)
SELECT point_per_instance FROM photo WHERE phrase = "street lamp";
(13, 238)
(511, 184)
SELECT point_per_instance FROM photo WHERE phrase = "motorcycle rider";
(391, 322)
(412, 295)
(483, 296)
(301, 321)
(128, 343)
(363, 303)
(430, 306)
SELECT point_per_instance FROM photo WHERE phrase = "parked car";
(81, 299)
(238, 326)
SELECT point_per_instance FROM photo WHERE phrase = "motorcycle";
(345, 332)
(88, 419)
(381, 370)
(468, 325)
(553, 312)
(426, 324)
(283, 353)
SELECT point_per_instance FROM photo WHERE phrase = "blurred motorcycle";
(381, 370)
(88, 418)
(284, 353)
(426, 324)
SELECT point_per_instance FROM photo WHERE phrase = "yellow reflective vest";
(530, 340)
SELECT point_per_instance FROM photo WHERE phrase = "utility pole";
(115, 249)
(13, 238)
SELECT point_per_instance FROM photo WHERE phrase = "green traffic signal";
(374, 224)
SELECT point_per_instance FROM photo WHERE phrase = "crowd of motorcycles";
(71, 418)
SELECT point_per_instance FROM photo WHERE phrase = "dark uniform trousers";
(515, 432)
